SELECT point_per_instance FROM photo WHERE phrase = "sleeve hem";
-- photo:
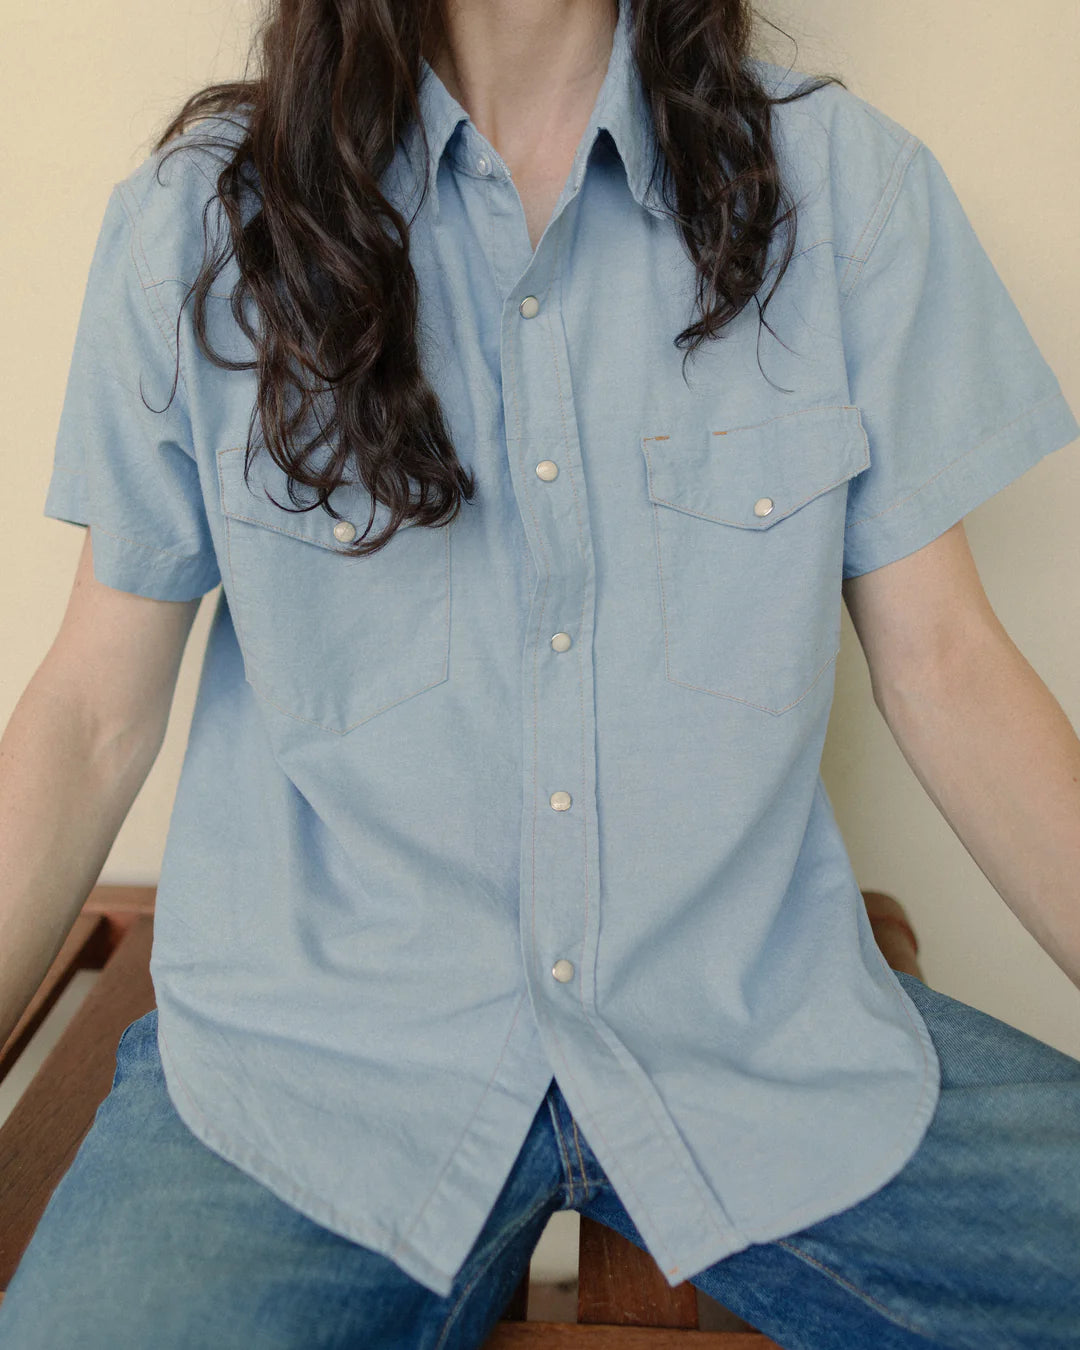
(963, 484)
(126, 564)
(65, 499)
(143, 570)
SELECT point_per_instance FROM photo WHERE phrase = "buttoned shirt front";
(538, 793)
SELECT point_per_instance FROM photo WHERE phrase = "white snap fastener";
(563, 970)
(560, 801)
(561, 642)
(345, 531)
(547, 469)
(529, 307)
(763, 506)
(483, 164)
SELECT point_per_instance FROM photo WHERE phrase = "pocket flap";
(755, 476)
(249, 502)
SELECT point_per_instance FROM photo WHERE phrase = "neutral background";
(990, 87)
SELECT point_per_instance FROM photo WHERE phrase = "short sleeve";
(119, 466)
(955, 396)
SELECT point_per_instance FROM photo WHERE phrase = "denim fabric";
(537, 794)
(151, 1239)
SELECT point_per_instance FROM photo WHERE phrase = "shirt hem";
(454, 1191)
(729, 1234)
(812, 1212)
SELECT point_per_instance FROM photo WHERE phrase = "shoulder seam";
(193, 159)
(886, 122)
(147, 281)
(871, 231)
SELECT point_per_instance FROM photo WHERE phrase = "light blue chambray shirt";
(537, 794)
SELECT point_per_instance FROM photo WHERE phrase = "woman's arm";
(983, 734)
(75, 753)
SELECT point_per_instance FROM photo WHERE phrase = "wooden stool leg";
(621, 1285)
(517, 1310)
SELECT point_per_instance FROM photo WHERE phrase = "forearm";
(996, 753)
(66, 786)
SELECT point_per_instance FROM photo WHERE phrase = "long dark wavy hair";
(324, 255)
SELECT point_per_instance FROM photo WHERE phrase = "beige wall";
(87, 83)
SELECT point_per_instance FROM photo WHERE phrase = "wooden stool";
(624, 1302)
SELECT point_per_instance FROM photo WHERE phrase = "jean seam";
(496, 1248)
(123, 1034)
(117, 1070)
(855, 1290)
(581, 1160)
(567, 1167)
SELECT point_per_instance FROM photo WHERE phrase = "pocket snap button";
(763, 506)
(345, 531)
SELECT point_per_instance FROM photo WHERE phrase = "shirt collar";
(621, 109)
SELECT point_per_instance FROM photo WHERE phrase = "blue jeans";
(151, 1241)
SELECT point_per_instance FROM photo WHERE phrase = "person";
(501, 877)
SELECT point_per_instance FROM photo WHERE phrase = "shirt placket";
(559, 857)
(559, 853)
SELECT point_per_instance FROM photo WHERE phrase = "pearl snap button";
(763, 506)
(547, 469)
(563, 970)
(560, 801)
(483, 164)
(345, 531)
(529, 307)
(561, 642)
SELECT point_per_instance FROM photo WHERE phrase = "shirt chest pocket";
(749, 533)
(326, 637)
